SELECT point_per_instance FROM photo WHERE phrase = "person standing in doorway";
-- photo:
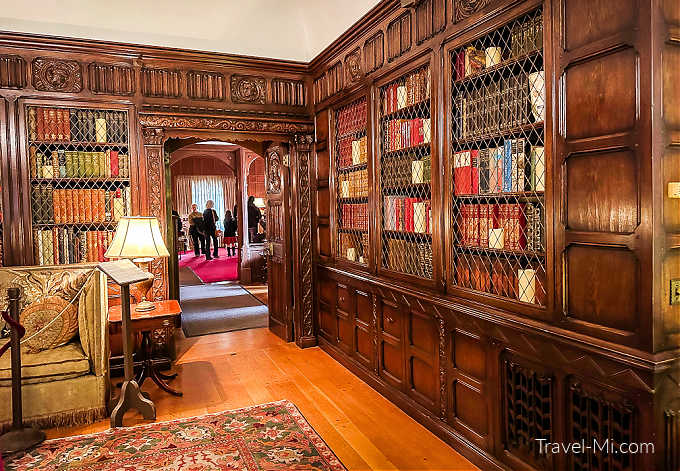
(230, 233)
(196, 230)
(254, 216)
(210, 219)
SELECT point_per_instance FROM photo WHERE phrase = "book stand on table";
(125, 273)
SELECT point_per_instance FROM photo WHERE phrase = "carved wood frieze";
(320, 89)
(248, 89)
(335, 78)
(430, 19)
(289, 92)
(374, 52)
(56, 75)
(465, 8)
(303, 146)
(204, 85)
(12, 72)
(225, 124)
(353, 66)
(111, 79)
(161, 83)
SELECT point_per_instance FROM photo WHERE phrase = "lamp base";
(145, 306)
(20, 439)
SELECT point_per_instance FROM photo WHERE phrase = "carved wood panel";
(430, 19)
(203, 85)
(320, 89)
(111, 79)
(55, 75)
(161, 83)
(225, 124)
(12, 71)
(353, 66)
(248, 89)
(672, 439)
(465, 8)
(374, 52)
(335, 79)
(399, 36)
(289, 92)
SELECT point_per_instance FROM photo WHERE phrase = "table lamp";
(139, 239)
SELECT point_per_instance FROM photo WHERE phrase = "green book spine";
(61, 157)
(88, 164)
(81, 163)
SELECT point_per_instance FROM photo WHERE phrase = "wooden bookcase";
(79, 166)
(404, 206)
(497, 164)
(352, 182)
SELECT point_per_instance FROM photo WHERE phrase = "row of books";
(353, 184)
(60, 163)
(405, 133)
(354, 246)
(514, 167)
(403, 170)
(62, 124)
(509, 102)
(513, 226)
(405, 256)
(354, 216)
(525, 37)
(407, 214)
(414, 88)
(507, 278)
(73, 206)
(64, 245)
(352, 152)
(352, 119)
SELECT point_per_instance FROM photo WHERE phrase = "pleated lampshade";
(137, 237)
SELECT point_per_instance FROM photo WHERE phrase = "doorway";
(220, 262)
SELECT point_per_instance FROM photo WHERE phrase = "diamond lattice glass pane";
(351, 162)
(497, 162)
(405, 174)
(80, 181)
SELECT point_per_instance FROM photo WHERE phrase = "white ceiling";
(281, 29)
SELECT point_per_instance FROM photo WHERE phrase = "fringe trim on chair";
(62, 419)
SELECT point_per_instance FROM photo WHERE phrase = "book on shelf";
(506, 226)
(65, 245)
(352, 119)
(407, 214)
(421, 170)
(359, 152)
(76, 125)
(353, 184)
(354, 247)
(466, 172)
(403, 170)
(413, 89)
(405, 133)
(78, 206)
(414, 258)
(537, 182)
(60, 163)
(354, 216)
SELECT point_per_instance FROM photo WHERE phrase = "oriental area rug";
(272, 436)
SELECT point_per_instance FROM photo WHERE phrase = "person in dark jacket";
(230, 233)
(254, 216)
(196, 230)
(210, 219)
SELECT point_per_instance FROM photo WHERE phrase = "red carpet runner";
(269, 437)
(209, 271)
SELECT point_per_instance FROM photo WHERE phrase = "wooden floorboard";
(237, 369)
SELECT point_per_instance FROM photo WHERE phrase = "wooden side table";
(167, 314)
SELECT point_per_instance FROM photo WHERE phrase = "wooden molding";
(225, 124)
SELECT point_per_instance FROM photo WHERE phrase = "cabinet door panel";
(392, 368)
(363, 345)
(391, 320)
(344, 331)
(327, 324)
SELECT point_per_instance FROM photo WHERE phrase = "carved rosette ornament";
(353, 66)
(54, 75)
(303, 146)
(465, 8)
(225, 124)
(248, 89)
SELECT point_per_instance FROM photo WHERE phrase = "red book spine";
(67, 124)
(115, 168)
(100, 246)
(474, 172)
(519, 227)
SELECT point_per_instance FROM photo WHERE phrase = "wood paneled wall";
(608, 337)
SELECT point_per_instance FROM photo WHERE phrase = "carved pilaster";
(273, 170)
(153, 151)
(303, 145)
(443, 339)
(374, 322)
(672, 438)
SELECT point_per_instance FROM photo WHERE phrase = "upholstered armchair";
(64, 367)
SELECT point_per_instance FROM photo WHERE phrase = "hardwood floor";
(259, 290)
(236, 369)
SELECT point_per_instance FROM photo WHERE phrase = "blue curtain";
(209, 188)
